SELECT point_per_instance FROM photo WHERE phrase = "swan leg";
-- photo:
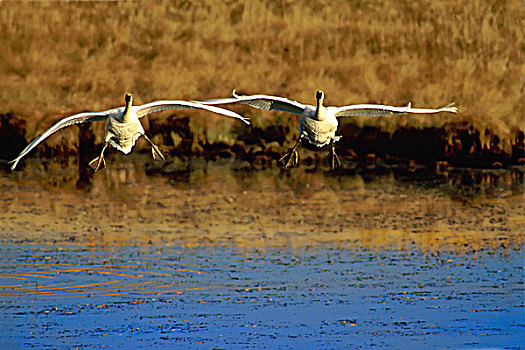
(291, 157)
(156, 151)
(99, 162)
(334, 159)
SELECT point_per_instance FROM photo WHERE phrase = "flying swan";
(123, 126)
(318, 124)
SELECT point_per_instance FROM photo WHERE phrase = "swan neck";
(319, 110)
(127, 112)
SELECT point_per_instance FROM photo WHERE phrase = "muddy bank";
(454, 144)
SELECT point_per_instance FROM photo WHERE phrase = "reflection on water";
(156, 297)
(462, 184)
(59, 273)
(227, 202)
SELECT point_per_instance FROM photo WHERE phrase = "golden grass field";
(59, 58)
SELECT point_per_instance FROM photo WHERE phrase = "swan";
(123, 126)
(318, 124)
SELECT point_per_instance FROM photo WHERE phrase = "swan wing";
(158, 106)
(373, 110)
(264, 102)
(68, 121)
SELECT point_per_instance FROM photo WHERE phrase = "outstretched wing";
(372, 110)
(265, 102)
(158, 106)
(74, 119)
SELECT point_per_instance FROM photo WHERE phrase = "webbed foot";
(332, 156)
(156, 151)
(334, 159)
(291, 158)
(98, 163)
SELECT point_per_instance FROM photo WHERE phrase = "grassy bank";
(58, 58)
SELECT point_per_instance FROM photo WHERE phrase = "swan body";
(123, 127)
(318, 124)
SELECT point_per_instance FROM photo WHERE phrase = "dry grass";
(62, 57)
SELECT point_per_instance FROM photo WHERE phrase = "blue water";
(223, 297)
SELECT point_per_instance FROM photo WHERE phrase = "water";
(221, 256)
(133, 297)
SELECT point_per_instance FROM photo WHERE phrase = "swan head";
(128, 98)
(319, 95)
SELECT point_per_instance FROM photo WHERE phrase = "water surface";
(135, 296)
(222, 255)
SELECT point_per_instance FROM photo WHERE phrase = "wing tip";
(451, 107)
(15, 163)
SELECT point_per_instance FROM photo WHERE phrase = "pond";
(224, 255)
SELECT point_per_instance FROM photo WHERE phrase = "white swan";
(123, 126)
(318, 124)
